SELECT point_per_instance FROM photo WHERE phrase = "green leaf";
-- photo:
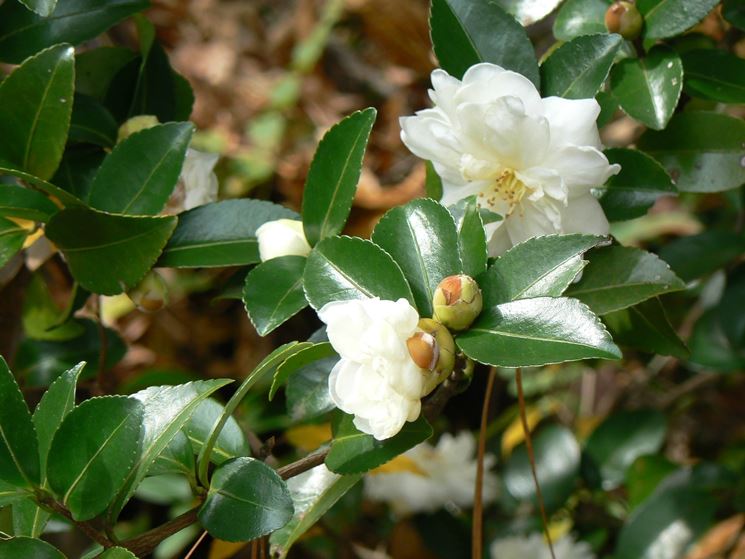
(580, 17)
(29, 519)
(646, 327)
(116, 553)
(246, 500)
(354, 452)
(23, 33)
(92, 123)
(472, 245)
(636, 188)
(622, 438)
(313, 494)
(696, 256)
(75, 173)
(19, 449)
(715, 75)
(95, 68)
(432, 182)
(230, 443)
(466, 32)
(734, 12)
(42, 318)
(557, 460)
(10, 494)
(619, 277)
(648, 89)
(42, 7)
(538, 267)
(12, 237)
(273, 292)
(63, 196)
(17, 201)
(528, 12)
(710, 346)
(645, 475)
(28, 548)
(177, 458)
(35, 109)
(307, 391)
(93, 451)
(344, 268)
(140, 174)
(733, 300)
(333, 175)
(665, 18)
(296, 362)
(220, 234)
(422, 239)
(701, 151)
(107, 253)
(578, 69)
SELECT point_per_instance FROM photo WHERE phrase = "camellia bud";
(151, 294)
(135, 124)
(624, 18)
(457, 302)
(432, 348)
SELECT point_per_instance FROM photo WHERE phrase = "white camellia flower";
(282, 237)
(376, 379)
(535, 547)
(427, 478)
(528, 159)
(198, 178)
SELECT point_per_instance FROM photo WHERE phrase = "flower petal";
(581, 168)
(485, 83)
(573, 121)
(584, 215)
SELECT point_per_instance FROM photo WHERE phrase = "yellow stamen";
(507, 187)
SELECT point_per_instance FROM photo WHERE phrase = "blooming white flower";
(431, 477)
(197, 185)
(376, 379)
(535, 547)
(282, 237)
(531, 160)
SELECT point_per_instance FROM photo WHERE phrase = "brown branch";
(477, 529)
(147, 542)
(84, 526)
(303, 465)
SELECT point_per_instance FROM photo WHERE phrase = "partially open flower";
(457, 302)
(151, 294)
(282, 237)
(624, 18)
(433, 349)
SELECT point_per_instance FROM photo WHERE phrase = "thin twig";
(86, 527)
(531, 458)
(147, 542)
(303, 465)
(196, 545)
(477, 532)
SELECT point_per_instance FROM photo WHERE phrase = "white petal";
(499, 241)
(282, 237)
(452, 193)
(198, 177)
(346, 324)
(531, 220)
(429, 137)
(584, 215)
(444, 88)
(581, 168)
(572, 121)
(485, 83)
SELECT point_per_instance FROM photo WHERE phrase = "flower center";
(506, 189)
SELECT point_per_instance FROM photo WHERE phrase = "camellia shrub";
(524, 257)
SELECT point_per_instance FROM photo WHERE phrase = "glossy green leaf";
(42, 7)
(93, 451)
(636, 188)
(220, 234)
(538, 267)
(17, 201)
(28, 548)
(715, 75)
(95, 68)
(140, 174)
(646, 327)
(23, 33)
(648, 88)
(696, 256)
(177, 458)
(580, 17)
(116, 553)
(35, 108)
(333, 176)
(92, 123)
(42, 317)
(12, 237)
(644, 475)
(66, 198)
(466, 32)
(665, 18)
(19, 449)
(354, 452)
(230, 443)
(10, 494)
(432, 182)
(422, 239)
(344, 268)
(296, 362)
(710, 346)
(472, 245)
(247, 499)
(734, 12)
(29, 519)
(307, 391)
(619, 277)
(107, 253)
(557, 459)
(273, 292)
(702, 151)
(608, 107)
(79, 165)
(578, 69)
(313, 494)
(622, 438)
(528, 12)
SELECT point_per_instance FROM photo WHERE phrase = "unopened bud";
(151, 294)
(623, 17)
(135, 124)
(457, 302)
(432, 348)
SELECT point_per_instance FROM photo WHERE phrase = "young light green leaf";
(12, 237)
(333, 175)
(314, 353)
(139, 175)
(93, 451)
(648, 88)
(19, 449)
(619, 277)
(108, 253)
(247, 499)
(535, 332)
(344, 268)
(422, 239)
(35, 109)
(273, 292)
(466, 32)
(220, 234)
(578, 69)
(17, 201)
(666, 18)
(580, 17)
(28, 548)
(702, 151)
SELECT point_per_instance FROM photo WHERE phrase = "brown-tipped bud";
(457, 302)
(151, 294)
(135, 124)
(432, 348)
(624, 18)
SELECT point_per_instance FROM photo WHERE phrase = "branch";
(303, 465)
(145, 543)
(86, 527)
